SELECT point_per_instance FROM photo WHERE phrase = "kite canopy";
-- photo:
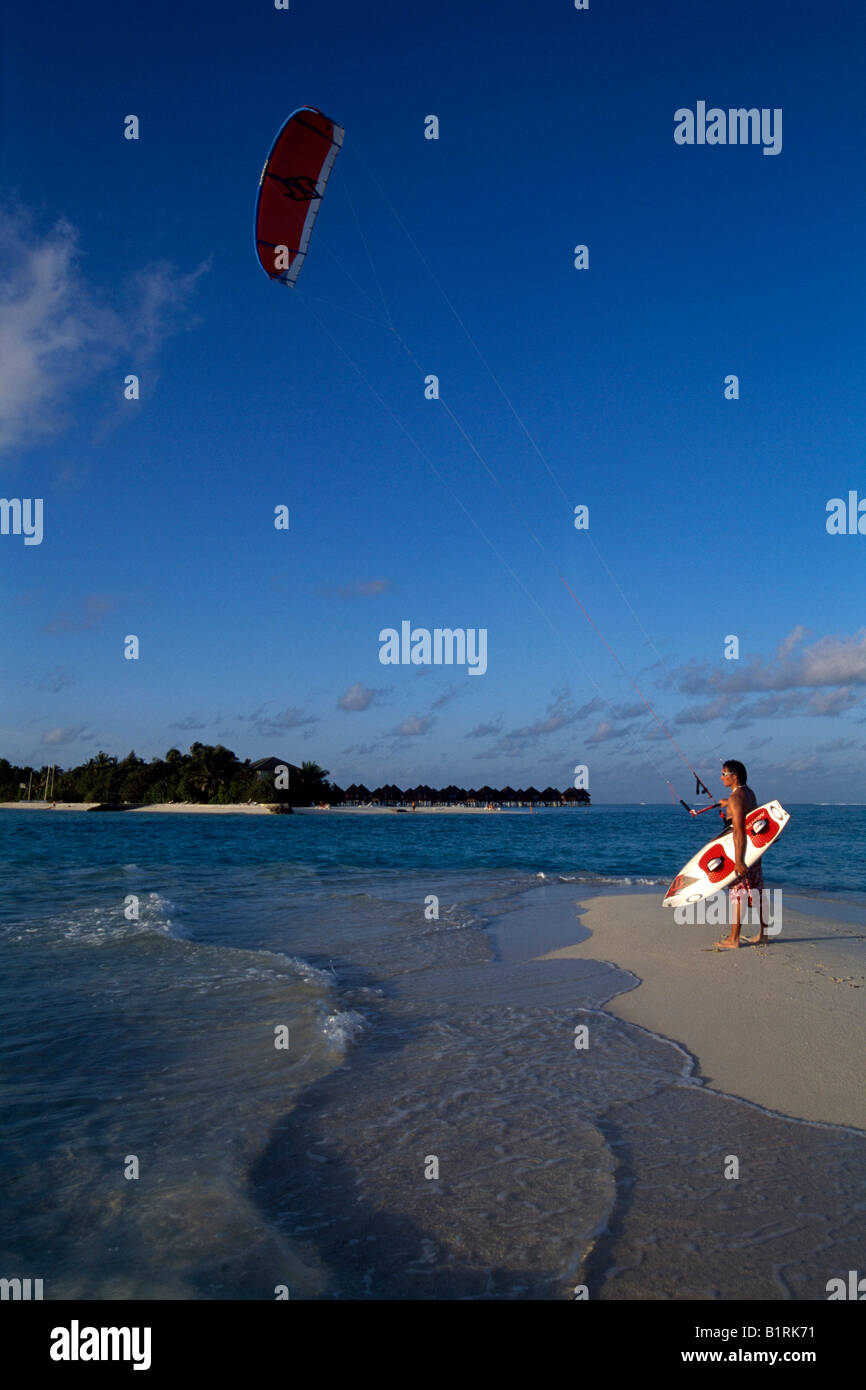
(291, 188)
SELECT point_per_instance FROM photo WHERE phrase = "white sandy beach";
(265, 809)
(783, 1025)
(407, 810)
(245, 808)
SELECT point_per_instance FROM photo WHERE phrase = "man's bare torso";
(743, 796)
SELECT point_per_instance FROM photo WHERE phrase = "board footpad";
(761, 828)
(715, 855)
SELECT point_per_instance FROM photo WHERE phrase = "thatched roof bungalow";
(266, 767)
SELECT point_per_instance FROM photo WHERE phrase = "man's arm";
(738, 825)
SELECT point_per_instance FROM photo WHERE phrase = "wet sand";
(783, 1025)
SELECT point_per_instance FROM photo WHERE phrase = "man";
(741, 801)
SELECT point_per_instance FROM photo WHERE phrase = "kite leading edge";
(291, 189)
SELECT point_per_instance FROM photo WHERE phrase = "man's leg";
(732, 940)
(763, 935)
(762, 938)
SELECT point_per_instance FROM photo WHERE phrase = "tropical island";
(212, 775)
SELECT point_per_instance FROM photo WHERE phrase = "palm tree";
(311, 772)
(310, 785)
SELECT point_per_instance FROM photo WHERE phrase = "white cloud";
(415, 724)
(55, 679)
(836, 661)
(558, 715)
(358, 697)
(705, 714)
(85, 617)
(57, 330)
(791, 641)
(68, 734)
(279, 723)
(607, 730)
(833, 701)
(485, 730)
(829, 661)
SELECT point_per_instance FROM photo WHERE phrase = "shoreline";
(781, 1026)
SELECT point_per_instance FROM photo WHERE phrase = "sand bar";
(783, 1025)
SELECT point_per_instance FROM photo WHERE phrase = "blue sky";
(556, 128)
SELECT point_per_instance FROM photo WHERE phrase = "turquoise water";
(823, 848)
(148, 960)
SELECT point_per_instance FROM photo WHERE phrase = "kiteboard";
(713, 867)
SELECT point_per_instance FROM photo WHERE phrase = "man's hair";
(738, 769)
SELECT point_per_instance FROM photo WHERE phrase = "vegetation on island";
(210, 774)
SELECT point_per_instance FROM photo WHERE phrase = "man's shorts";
(752, 881)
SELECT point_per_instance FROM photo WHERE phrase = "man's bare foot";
(727, 944)
(759, 940)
